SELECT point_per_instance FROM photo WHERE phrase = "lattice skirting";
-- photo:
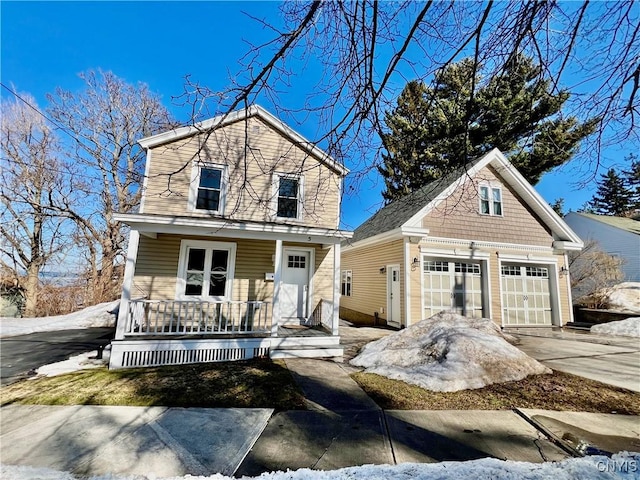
(145, 353)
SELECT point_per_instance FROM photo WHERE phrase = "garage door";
(526, 297)
(451, 285)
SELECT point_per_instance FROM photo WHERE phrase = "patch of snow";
(626, 328)
(83, 361)
(101, 315)
(447, 353)
(626, 297)
(623, 465)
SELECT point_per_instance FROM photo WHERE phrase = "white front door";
(294, 288)
(393, 296)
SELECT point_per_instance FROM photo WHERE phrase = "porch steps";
(306, 347)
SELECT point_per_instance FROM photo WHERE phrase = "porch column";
(335, 321)
(275, 321)
(127, 283)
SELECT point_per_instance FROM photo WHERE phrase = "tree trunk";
(31, 291)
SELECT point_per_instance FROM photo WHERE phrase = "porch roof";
(151, 225)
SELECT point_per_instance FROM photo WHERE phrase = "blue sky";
(46, 44)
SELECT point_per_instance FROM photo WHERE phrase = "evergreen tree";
(612, 196)
(632, 179)
(558, 206)
(434, 130)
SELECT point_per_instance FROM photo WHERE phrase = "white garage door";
(526, 297)
(451, 285)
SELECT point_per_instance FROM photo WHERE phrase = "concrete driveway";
(611, 360)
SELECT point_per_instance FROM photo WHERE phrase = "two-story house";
(235, 252)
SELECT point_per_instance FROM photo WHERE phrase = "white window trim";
(491, 188)
(195, 184)
(275, 189)
(181, 280)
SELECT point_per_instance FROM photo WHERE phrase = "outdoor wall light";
(563, 271)
(383, 270)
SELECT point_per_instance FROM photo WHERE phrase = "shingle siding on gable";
(458, 216)
(267, 152)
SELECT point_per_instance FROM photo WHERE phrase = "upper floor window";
(490, 200)
(207, 188)
(288, 196)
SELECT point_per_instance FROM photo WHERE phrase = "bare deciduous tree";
(593, 273)
(360, 54)
(31, 188)
(106, 120)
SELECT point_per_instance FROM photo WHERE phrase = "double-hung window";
(490, 201)
(288, 196)
(205, 269)
(207, 188)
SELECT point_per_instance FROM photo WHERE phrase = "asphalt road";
(21, 354)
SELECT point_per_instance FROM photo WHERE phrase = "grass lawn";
(245, 384)
(557, 391)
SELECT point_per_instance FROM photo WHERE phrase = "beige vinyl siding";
(415, 285)
(369, 288)
(563, 286)
(459, 216)
(157, 268)
(267, 152)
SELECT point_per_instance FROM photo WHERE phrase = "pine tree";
(612, 196)
(632, 181)
(434, 130)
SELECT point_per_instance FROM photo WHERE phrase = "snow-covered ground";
(626, 328)
(621, 466)
(83, 361)
(447, 353)
(625, 297)
(96, 316)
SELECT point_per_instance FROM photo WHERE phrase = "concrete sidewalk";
(343, 427)
(160, 441)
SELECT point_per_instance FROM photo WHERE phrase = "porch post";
(335, 321)
(127, 283)
(275, 321)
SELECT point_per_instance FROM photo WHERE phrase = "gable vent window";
(490, 201)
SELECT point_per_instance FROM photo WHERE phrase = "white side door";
(294, 289)
(393, 296)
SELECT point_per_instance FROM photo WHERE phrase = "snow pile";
(626, 328)
(626, 297)
(83, 361)
(447, 353)
(102, 315)
(623, 465)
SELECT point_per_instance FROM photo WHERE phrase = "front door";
(393, 296)
(295, 285)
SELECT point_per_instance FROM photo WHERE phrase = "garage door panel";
(451, 285)
(526, 295)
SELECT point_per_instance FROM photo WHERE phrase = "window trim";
(208, 246)
(194, 186)
(490, 201)
(275, 189)
(346, 279)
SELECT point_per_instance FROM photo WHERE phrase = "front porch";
(175, 332)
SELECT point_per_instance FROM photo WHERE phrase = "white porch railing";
(189, 317)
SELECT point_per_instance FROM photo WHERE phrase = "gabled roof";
(407, 212)
(626, 224)
(240, 115)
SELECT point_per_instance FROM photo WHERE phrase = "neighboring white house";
(617, 236)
